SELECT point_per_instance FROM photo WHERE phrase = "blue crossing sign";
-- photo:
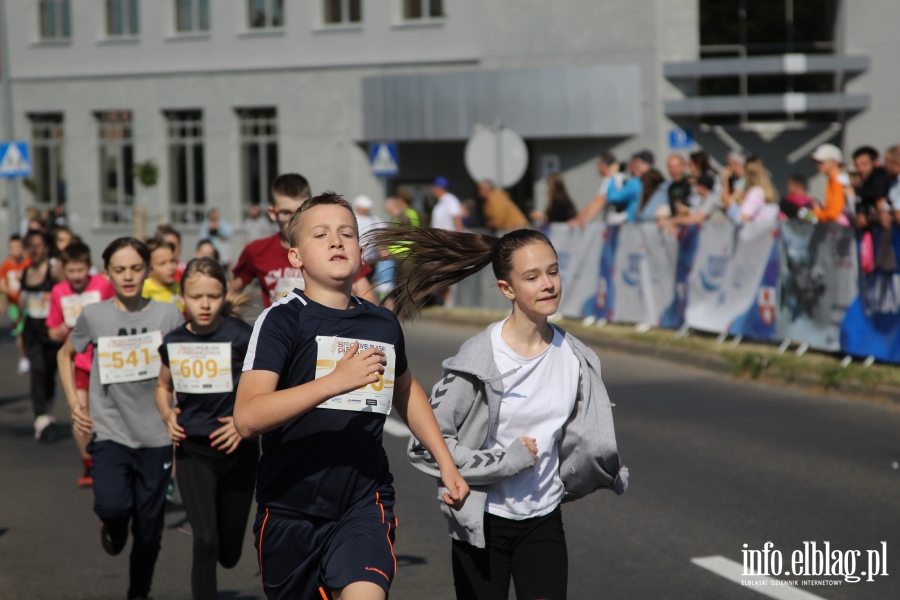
(383, 159)
(15, 159)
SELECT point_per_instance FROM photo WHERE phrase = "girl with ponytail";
(522, 408)
(202, 361)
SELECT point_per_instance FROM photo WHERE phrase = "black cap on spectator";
(646, 156)
(706, 181)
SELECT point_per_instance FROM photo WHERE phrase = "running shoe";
(43, 428)
(86, 480)
(111, 546)
(170, 494)
(24, 366)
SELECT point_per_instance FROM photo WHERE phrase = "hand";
(885, 218)
(226, 437)
(59, 334)
(175, 431)
(530, 445)
(355, 371)
(81, 420)
(457, 486)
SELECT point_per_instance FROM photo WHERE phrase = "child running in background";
(130, 449)
(37, 282)
(67, 299)
(523, 410)
(323, 370)
(170, 234)
(10, 285)
(216, 472)
(161, 284)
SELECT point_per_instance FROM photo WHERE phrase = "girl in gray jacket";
(522, 408)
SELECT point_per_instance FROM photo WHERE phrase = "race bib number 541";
(374, 397)
(201, 368)
(125, 358)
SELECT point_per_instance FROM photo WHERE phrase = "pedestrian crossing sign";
(383, 158)
(15, 160)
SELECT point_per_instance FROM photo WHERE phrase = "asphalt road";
(714, 463)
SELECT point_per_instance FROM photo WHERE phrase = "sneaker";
(112, 547)
(24, 366)
(86, 480)
(43, 428)
(170, 494)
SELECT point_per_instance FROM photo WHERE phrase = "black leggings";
(532, 551)
(217, 491)
(41, 352)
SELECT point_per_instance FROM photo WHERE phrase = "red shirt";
(266, 261)
(98, 289)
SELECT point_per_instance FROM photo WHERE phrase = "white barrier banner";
(584, 268)
(628, 276)
(658, 274)
(708, 281)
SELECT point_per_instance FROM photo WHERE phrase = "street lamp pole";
(9, 127)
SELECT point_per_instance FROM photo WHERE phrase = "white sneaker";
(41, 424)
(24, 366)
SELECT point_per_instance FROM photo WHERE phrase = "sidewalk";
(816, 371)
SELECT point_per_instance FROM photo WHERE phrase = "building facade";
(224, 95)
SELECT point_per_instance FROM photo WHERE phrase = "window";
(336, 12)
(259, 153)
(48, 167)
(191, 16)
(122, 18)
(55, 19)
(187, 191)
(116, 162)
(415, 10)
(263, 14)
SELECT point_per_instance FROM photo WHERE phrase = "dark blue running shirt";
(200, 412)
(325, 461)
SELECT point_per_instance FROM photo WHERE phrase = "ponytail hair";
(211, 268)
(436, 258)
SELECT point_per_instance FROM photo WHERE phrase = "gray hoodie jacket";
(466, 403)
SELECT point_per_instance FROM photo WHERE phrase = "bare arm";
(414, 408)
(590, 211)
(458, 223)
(259, 407)
(65, 360)
(168, 414)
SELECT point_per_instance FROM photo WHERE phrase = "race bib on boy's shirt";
(73, 304)
(374, 397)
(37, 304)
(124, 358)
(286, 285)
(201, 368)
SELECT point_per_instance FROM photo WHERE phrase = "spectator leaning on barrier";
(560, 208)
(679, 188)
(500, 212)
(892, 165)
(796, 197)
(872, 203)
(760, 201)
(629, 195)
(608, 168)
(736, 180)
(710, 205)
(828, 158)
(699, 164)
(654, 203)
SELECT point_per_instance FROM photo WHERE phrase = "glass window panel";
(127, 171)
(436, 8)
(65, 19)
(134, 15)
(252, 170)
(271, 164)
(183, 15)
(333, 11)
(114, 17)
(355, 11)
(203, 16)
(178, 173)
(48, 19)
(199, 187)
(412, 9)
(41, 173)
(277, 13)
(257, 16)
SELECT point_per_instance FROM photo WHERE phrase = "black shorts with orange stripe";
(305, 558)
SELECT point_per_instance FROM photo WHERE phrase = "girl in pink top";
(67, 299)
(760, 200)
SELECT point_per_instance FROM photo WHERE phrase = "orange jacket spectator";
(835, 201)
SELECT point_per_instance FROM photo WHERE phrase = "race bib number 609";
(201, 368)
(124, 358)
(374, 397)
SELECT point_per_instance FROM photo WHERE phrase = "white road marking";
(733, 571)
(396, 428)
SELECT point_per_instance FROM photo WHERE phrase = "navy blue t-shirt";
(200, 412)
(325, 461)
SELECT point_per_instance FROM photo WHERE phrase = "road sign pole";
(8, 116)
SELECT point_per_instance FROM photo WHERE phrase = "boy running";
(161, 284)
(323, 369)
(11, 284)
(67, 299)
(266, 260)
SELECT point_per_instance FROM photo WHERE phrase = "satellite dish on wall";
(497, 153)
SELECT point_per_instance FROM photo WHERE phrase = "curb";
(706, 362)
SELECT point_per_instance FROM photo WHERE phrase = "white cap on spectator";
(828, 152)
(363, 202)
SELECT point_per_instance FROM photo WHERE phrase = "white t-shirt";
(537, 401)
(756, 207)
(445, 210)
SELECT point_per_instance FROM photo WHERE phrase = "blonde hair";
(757, 175)
(211, 268)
